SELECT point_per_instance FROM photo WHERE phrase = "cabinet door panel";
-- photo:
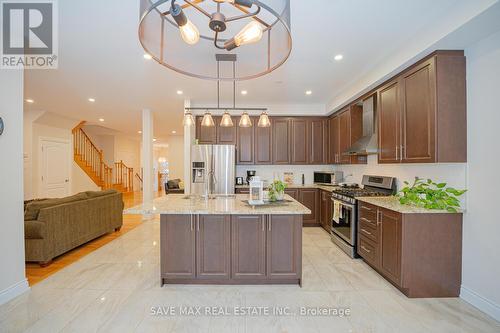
(178, 236)
(299, 140)
(225, 135)
(205, 135)
(309, 198)
(344, 136)
(248, 247)
(293, 192)
(390, 244)
(333, 140)
(213, 246)
(281, 141)
(245, 145)
(263, 145)
(419, 113)
(316, 136)
(389, 108)
(284, 243)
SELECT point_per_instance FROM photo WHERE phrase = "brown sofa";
(55, 226)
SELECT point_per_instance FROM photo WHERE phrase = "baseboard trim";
(480, 302)
(14, 291)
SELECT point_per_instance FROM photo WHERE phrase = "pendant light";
(189, 32)
(264, 120)
(226, 120)
(245, 120)
(188, 119)
(207, 120)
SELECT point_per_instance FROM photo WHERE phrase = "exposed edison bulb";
(251, 33)
(190, 33)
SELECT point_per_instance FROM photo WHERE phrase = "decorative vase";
(280, 196)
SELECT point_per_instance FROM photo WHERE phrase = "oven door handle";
(343, 203)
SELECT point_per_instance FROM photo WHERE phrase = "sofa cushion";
(33, 229)
(173, 184)
(96, 194)
(33, 208)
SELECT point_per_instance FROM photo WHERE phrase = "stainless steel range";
(345, 208)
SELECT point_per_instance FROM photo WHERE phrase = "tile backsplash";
(270, 172)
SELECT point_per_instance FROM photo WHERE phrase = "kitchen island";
(226, 241)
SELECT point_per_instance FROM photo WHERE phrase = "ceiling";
(100, 57)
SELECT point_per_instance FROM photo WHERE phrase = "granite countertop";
(328, 188)
(182, 204)
(392, 203)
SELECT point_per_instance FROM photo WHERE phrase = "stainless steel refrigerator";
(213, 169)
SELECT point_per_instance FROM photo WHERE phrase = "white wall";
(12, 277)
(481, 263)
(270, 172)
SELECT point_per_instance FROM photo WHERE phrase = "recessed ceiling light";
(338, 57)
(140, 132)
(309, 92)
(180, 92)
(147, 56)
(174, 132)
(244, 92)
(101, 119)
(91, 100)
(30, 101)
(154, 140)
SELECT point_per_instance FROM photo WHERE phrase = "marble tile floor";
(114, 289)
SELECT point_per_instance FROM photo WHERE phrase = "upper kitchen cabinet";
(263, 145)
(225, 135)
(345, 129)
(299, 140)
(281, 140)
(245, 143)
(422, 112)
(333, 140)
(317, 144)
(205, 135)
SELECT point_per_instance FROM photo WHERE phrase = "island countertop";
(180, 204)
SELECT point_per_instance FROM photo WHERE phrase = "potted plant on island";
(276, 190)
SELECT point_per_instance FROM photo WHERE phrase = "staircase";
(91, 161)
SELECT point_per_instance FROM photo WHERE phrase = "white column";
(189, 136)
(147, 155)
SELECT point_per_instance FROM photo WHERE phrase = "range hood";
(368, 144)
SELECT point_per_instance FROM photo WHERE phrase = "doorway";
(55, 168)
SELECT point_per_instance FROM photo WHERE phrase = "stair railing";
(124, 176)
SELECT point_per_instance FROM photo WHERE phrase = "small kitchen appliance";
(250, 174)
(328, 177)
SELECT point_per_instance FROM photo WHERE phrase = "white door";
(55, 169)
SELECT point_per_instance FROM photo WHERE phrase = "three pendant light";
(227, 121)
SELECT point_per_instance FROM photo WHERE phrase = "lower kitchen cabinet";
(419, 253)
(293, 192)
(248, 247)
(325, 210)
(213, 252)
(231, 249)
(284, 247)
(309, 197)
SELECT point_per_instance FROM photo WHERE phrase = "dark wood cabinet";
(317, 131)
(420, 253)
(248, 246)
(309, 197)
(388, 123)
(225, 135)
(213, 241)
(293, 192)
(344, 136)
(333, 140)
(264, 145)
(390, 247)
(205, 135)
(284, 244)
(281, 140)
(299, 141)
(245, 144)
(422, 112)
(418, 87)
(325, 210)
(178, 236)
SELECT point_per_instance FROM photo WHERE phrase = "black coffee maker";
(250, 174)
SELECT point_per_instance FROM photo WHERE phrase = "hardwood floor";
(35, 273)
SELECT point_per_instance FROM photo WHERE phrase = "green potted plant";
(430, 195)
(276, 190)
